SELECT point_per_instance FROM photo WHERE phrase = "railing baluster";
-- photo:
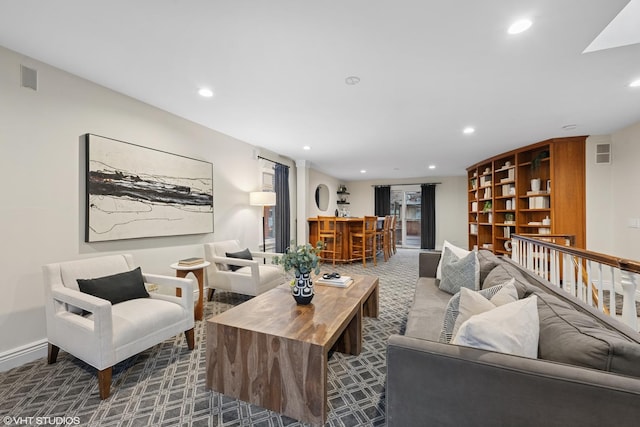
(629, 311)
(612, 292)
(600, 289)
(588, 283)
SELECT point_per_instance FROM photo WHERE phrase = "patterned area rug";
(165, 385)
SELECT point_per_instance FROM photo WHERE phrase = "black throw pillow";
(245, 254)
(116, 288)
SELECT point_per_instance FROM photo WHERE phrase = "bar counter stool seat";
(364, 243)
(330, 237)
(393, 233)
(386, 235)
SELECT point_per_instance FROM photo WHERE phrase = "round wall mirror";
(322, 197)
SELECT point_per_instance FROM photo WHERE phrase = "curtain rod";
(273, 161)
(409, 183)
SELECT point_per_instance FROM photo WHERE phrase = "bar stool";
(393, 233)
(365, 242)
(328, 233)
(386, 236)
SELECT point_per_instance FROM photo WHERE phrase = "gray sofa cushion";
(570, 336)
(425, 316)
(488, 261)
(502, 273)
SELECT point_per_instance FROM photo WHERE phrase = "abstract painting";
(134, 191)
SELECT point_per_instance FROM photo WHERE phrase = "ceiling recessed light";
(468, 130)
(635, 83)
(569, 127)
(432, 166)
(352, 80)
(363, 171)
(519, 26)
(205, 92)
(306, 147)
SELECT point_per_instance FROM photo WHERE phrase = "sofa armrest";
(431, 383)
(186, 286)
(428, 263)
(268, 255)
(96, 332)
(234, 261)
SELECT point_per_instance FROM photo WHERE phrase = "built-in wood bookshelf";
(503, 200)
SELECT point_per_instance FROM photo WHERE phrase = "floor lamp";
(262, 198)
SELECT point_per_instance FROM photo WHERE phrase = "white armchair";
(101, 334)
(253, 278)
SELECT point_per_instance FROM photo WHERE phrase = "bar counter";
(345, 225)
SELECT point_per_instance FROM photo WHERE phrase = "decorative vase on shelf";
(535, 184)
(302, 289)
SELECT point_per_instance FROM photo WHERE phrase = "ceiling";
(427, 70)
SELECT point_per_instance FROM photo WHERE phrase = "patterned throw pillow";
(451, 312)
(460, 252)
(459, 272)
(472, 303)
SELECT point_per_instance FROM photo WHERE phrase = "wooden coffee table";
(271, 352)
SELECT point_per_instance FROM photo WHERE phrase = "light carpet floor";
(165, 385)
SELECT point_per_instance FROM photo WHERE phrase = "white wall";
(316, 178)
(612, 195)
(42, 210)
(599, 198)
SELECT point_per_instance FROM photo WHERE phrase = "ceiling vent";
(603, 153)
(29, 77)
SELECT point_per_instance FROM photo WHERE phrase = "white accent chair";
(253, 278)
(111, 333)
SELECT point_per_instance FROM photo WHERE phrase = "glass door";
(406, 206)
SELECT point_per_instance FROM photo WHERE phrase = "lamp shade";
(262, 198)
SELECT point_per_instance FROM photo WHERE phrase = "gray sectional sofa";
(587, 372)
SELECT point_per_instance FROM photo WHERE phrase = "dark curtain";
(382, 200)
(283, 208)
(428, 222)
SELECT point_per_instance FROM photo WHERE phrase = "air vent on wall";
(603, 153)
(29, 77)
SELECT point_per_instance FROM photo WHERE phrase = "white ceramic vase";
(535, 184)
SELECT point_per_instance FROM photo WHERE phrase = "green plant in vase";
(302, 259)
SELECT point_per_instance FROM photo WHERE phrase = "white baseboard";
(20, 355)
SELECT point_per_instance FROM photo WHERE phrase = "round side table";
(198, 272)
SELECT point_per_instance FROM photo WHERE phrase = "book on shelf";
(538, 202)
(341, 282)
(187, 262)
(537, 193)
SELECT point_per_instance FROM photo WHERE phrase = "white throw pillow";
(460, 253)
(472, 303)
(511, 328)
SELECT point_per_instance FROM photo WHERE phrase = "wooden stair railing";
(584, 274)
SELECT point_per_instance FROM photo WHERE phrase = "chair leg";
(189, 335)
(210, 296)
(52, 353)
(364, 251)
(104, 382)
(333, 254)
(374, 249)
